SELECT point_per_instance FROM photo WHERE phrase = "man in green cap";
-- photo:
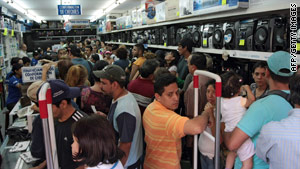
(270, 108)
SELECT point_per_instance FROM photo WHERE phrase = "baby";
(233, 108)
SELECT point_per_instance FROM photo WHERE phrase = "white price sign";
(32, 74)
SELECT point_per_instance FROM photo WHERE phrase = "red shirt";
(143, 92)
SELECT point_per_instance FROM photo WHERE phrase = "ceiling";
(47, 9)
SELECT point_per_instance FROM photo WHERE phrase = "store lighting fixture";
(29, 13)
(112, 5)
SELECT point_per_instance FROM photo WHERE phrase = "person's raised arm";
(196, 125)
(250, 95)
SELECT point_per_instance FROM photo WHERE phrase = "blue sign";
(69, 10)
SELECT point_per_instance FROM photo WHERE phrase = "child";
(94, 143)
(233, 108)
(171, 60)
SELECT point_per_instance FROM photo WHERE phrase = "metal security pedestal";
(45, 105)
(218, 108)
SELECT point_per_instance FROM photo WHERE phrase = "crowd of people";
(115, 108)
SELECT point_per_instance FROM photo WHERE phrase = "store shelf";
(256, 7)
(121, 43)
(52, 29)
(72, 36)
(163, 47)
(252, 55)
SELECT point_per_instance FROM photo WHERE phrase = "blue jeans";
(206, 163)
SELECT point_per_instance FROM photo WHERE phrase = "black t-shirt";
(64, 140)
(37, 148)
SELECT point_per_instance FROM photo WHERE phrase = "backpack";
(280, 93)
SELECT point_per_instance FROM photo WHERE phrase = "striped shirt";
(279, 142)
(163, 133)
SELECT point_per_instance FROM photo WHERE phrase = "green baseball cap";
(280, 63)
(111, 72)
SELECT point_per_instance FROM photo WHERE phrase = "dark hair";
(186, 42)
(211, 82)
(90, 47)
(148, 67)
(58, 103)
(75, 51)
(14, 60)
(277, 78)
(35, 53)
(16, 67)
(99, 65)
(114, 47)
(176, 56)
(295, 89)
(199, 60)
(26, 60)
(140, 47)
(96, 141)
(121, 53)
(231, 84)
(121, 83)
(259, 64)
(88, 42)
(162, 81)
(160, 56)
(95, 57)
(63, 67)
(159, 71)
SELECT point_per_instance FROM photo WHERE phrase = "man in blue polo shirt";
(270, 108)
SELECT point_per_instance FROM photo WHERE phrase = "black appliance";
(262, 35)
(230, 35)
(245, 34)
(196, 36)
(218, 36)
(171, 36)
(280, 41)
(207, 36)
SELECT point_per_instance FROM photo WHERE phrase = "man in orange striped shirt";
(164, 128)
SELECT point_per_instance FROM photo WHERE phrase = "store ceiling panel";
(47, 9)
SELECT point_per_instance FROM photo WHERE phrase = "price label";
(204, 42)
(242, 42)
(223, 2)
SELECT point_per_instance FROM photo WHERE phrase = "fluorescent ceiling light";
(113, 6)
(18, 7)
(107, 8)
(29, 13)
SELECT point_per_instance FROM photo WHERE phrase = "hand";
(211, 117)
(46, 61)
(209, 108)
(245, 87)
(35, 108)
(46, 67)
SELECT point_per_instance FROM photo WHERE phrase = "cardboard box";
(161, 12)
(150, 7)
(172, 9)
